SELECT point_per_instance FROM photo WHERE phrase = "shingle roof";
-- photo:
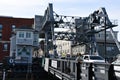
(25, 27)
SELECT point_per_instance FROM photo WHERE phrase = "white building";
(101, 36)
(112, 50)
(23, 43)
(63, 47)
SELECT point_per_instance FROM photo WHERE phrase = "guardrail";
(73, 70)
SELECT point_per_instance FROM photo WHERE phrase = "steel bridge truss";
(79, 29)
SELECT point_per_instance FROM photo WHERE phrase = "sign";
(46, 64)
(54, 63)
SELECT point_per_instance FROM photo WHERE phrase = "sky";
(82, 8)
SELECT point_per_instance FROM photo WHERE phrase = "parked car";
(93, 58)
(116, 64)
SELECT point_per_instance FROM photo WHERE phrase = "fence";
(73, 70)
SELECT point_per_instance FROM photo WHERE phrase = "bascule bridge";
(79, 30)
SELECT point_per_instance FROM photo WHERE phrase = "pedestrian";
(79, 61)
(79, 57)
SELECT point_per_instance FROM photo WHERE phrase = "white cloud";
(18, 6)
(21, 8)
(19, 2)
(74, 1)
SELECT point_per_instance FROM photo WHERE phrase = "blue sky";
(82, 8)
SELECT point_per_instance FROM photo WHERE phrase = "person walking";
(79, 60)
(79, 57)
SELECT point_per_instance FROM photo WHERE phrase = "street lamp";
(104, 16)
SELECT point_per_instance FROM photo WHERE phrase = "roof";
(25, 27)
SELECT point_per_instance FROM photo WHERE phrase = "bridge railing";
(64, 69)
(116, 70)
(73, 70)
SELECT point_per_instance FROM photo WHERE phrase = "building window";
(0, 36)
(21, 34)
(5, 46)
(13, 27)
(107, 36)
(99, 35)
(28, 34)
(110, 48)
(1, 27)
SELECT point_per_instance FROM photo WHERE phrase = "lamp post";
(104, 16)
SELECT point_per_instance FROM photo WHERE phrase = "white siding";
(12, 45)
(24, 37)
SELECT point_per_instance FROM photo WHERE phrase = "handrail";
(83, 71)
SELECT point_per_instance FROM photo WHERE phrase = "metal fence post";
(111, 73)
(78, 70)
(90, 72)
(62, 66)
(4, 74)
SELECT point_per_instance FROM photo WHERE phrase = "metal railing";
(73, 70)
